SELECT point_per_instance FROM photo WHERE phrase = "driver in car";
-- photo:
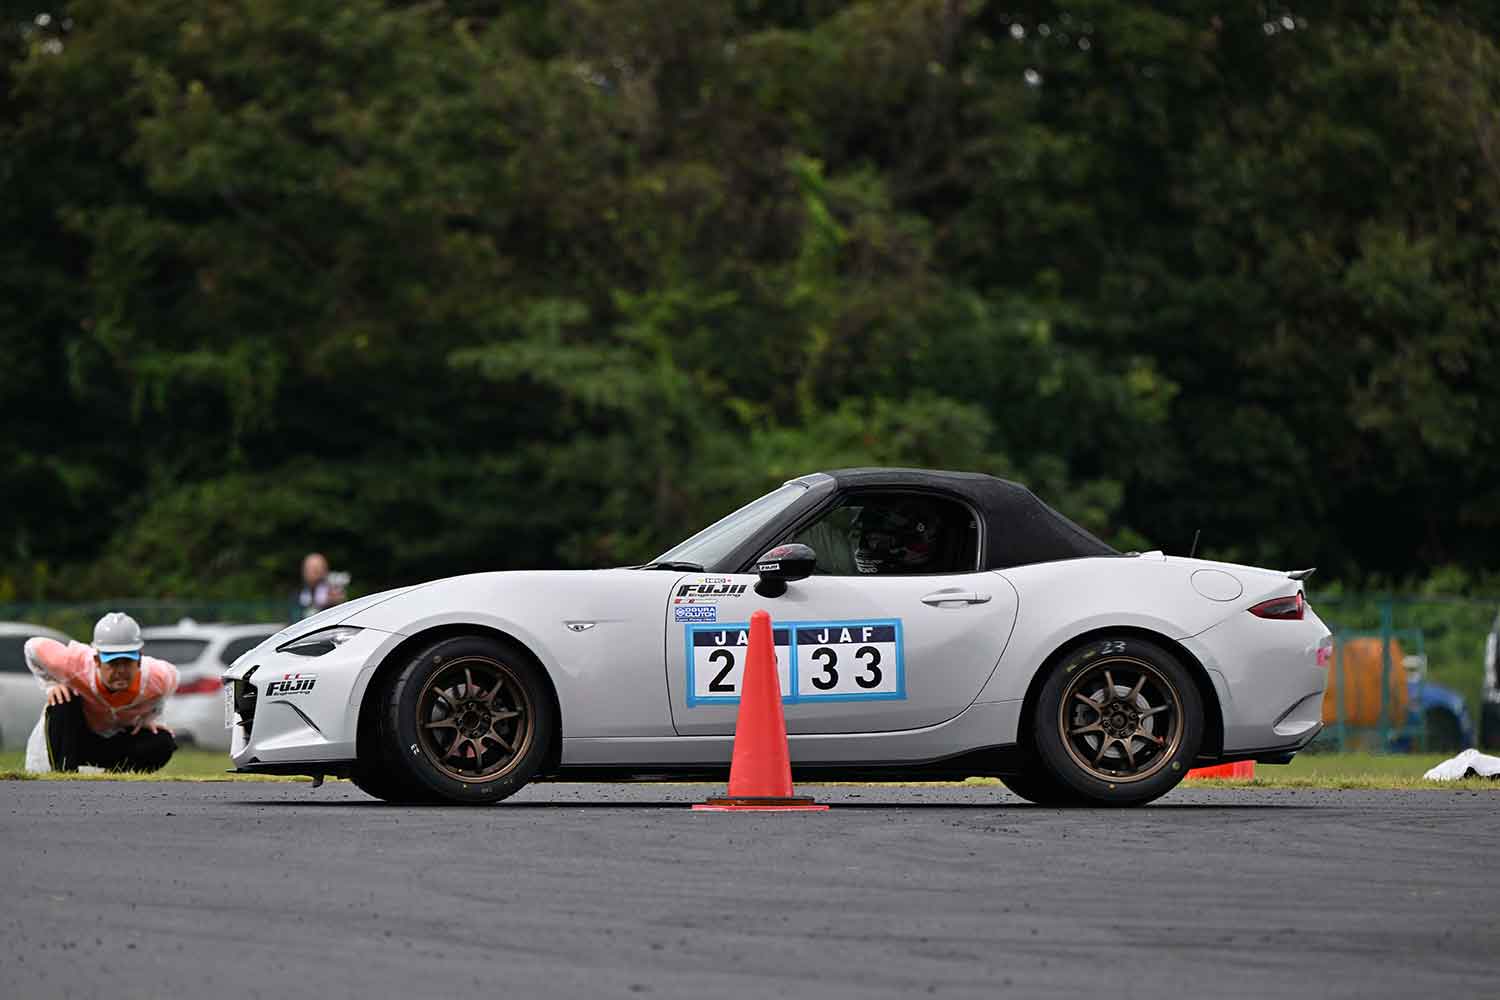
(103, 702)
(902, 537)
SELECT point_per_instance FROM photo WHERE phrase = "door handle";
(955, 597)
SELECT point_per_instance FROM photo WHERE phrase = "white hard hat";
(117, 632)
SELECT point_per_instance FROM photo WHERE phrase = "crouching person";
(103, 702)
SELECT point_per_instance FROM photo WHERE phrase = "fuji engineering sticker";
(291, 684)
(708, 590)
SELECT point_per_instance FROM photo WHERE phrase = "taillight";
(1284, 609)
(203, 685)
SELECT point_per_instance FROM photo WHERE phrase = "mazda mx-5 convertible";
(926, 624)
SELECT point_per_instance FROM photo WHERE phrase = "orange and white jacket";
(105, 711)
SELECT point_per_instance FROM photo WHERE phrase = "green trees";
(470, 285)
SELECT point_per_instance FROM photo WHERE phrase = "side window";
(236, 648)
(891, 533)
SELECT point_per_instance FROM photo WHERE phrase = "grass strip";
(185, 765)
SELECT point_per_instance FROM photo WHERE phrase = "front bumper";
(291, 709)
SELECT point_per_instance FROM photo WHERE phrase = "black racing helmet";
(895, 537)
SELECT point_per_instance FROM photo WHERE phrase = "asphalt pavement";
(276, 890)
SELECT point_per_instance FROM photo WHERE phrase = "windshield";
(722, 537)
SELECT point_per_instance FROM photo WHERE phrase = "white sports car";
(927, 624)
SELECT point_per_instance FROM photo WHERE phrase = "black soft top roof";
(1019, 527)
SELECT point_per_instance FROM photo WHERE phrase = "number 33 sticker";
(842, 660)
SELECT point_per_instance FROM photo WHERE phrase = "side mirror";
(782, 565)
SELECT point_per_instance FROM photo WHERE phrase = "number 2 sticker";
(717, 661)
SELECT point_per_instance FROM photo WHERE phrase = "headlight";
(320, 642)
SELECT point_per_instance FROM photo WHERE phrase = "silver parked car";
(21, 697)
(201, 652)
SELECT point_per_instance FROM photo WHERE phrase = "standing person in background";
(320, 589)
(103, 702)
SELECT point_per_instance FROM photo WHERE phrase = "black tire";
(1039, 787)
(1133, 721)
(504, 736)
(377, 779)
(377, 772)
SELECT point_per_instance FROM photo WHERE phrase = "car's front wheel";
(1118, 722)
(1039, 787)
(466, 720)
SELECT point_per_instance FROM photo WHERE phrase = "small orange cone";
(760, 775)
(1239, 769)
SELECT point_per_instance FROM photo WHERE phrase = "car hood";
(336, 615)
(521, 598)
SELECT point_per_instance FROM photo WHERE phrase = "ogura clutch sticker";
(695, 613)
(829, 661)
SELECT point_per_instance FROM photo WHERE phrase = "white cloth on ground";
(1470, 762)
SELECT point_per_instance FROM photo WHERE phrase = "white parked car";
(201, 653)
(21, 697)
(927, 624)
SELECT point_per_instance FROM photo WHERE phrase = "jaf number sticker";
(716, 661)
(816, 661)
(844, 660)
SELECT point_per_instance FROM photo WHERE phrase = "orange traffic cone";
(760, 775)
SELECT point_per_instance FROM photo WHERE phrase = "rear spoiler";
(1301, 574)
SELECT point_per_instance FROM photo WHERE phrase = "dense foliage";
(449, 286)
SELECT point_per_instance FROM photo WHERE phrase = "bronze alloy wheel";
(1121, 719)
(474, 719)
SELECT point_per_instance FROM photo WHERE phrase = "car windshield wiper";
(686, 567)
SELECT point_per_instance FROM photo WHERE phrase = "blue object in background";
(1448, 724)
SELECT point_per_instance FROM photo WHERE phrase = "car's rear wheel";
(467, 720)
(1118, 722)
